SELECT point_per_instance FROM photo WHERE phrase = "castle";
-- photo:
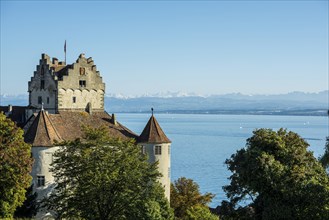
(62, 98)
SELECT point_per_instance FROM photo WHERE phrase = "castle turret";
(156, 145)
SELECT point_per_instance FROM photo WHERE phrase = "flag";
(65, 47)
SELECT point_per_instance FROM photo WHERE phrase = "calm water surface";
(201, 143)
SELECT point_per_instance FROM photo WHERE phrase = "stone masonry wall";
(81, 86)
(49, 91)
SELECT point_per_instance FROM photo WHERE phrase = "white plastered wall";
(164, 166)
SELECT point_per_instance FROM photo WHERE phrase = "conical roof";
(42, 132)
(153, 133)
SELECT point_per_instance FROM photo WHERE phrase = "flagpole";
(65, 51)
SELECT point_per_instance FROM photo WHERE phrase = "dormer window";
(82, 83)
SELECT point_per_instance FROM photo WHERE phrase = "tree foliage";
(325, 157)
(200, 212)
(185, 197)
(279, 177)
(15, 167)
(30, 205)
(104, 178)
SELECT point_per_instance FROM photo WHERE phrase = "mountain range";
(294, 103)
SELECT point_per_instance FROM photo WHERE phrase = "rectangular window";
(169, 149)
(82, 83)
(47, 100)
(40, 100)
(41, 181)
(74, 99)
(143, 150)
(42, 86)
(157, 150)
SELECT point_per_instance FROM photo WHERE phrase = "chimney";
(113, 120)
(55, 61)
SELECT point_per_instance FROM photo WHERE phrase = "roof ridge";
(52, 125)
(36, 120)
(155, 125)
(46, 127)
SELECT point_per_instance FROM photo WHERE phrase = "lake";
(201, 143)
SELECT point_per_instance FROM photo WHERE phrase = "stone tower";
(74, 87)
(156, 145)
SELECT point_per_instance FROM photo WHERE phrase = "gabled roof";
(153, 133)
(42, 132)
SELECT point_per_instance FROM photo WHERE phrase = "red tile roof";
(153, 133)
(42, 132)
(68, 125)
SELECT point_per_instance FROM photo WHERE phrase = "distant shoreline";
(312, 112)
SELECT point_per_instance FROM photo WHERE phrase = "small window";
(157, 150)
(82, 71)
(82, 83)
(47, 100)
(143, 150)
(42, 86)
(169, 149)
(74, 99)
(40, 100)
(41, 181)
(42, 71)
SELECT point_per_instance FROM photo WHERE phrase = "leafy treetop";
(15, 167)
(99, 177)
(280, 178)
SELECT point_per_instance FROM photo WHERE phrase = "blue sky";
(204, 47)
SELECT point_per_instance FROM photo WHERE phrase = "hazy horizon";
(182, 93)
(202, 47)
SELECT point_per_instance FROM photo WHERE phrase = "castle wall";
(83, 82)
(66, 100)
(47, 89)
(164, 166)
(43, 157)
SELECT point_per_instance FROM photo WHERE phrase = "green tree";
(200, 212)
(185, 195)
(29, 207)
(325, 157)
(104, 178)
(280, 178)
(15, 167)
